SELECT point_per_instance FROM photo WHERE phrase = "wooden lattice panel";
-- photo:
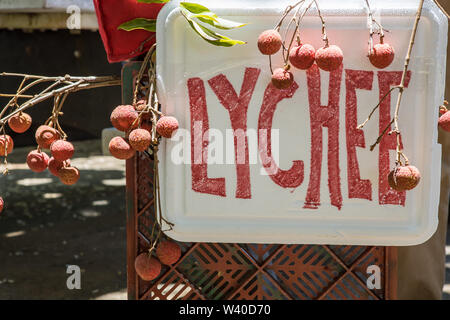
(212, 271)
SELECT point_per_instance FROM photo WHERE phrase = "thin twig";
(83, 83)
(401, 88)
(402, 82)
(376, 107)
(9, 95)
(371, 28)
(297, 26)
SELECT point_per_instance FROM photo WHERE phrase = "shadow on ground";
(47, 226)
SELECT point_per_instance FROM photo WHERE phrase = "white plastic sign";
(253, 164)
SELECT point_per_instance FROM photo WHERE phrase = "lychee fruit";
(302, 56)
(147, 267)
(282, 78)
(168, 252)
(54, 166)
(140, 139)
(140, 106)
(329, 58)
(382, 55)
(62, 150)
(404, 178)
(269, 42)
(123, 117)
(69, 175)
(37, 161)
(444, 121)
(147, 126)
(2, 204)
(120, 148)
(45, 136)
(20, 122)
(6, 145)
(166, 126)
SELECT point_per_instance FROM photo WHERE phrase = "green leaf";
(221, 23)
(211, 36)
(139, 23)
(205, 15)
(153, 1)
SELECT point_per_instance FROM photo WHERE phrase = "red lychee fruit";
(120, 148)
(166, 126)
(444, 121)
(269, 42)
(404, 178)
(69, 175)
(140, 106)
(147, 267)
(302, 56)
(329, 58)
(45, 136)
(2, 204)
(6, 145)
(168, 252)
(282, 79)
(382, 55)
(20, 123)
(37, 161)
(123, 117)
(62, 150)
(54, 166)
(140, 139)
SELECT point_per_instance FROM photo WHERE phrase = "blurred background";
(47, 225)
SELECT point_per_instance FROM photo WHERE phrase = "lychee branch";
(372, 21)
(402, 83)
(324, 30)
(297, 19)
(81, 83)
(297, 28)
(151, 101)
(376, 107)
(286, 13)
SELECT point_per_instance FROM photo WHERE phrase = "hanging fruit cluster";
(138, 122)
(303, 56)
(49, 136)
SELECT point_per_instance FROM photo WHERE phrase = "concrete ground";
(47, 226)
